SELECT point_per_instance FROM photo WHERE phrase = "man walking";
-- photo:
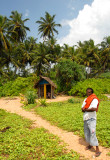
(90, 107)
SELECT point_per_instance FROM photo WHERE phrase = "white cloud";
(91, 22)
(26, 13)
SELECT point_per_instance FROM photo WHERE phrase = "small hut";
(45, 87)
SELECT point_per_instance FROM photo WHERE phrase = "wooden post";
(45, 91)
(51, 91)
(39, 92)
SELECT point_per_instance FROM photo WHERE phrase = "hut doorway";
(48, 90)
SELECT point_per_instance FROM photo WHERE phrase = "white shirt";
(89, 115)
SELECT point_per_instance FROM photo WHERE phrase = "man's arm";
(89, 110)
(92, 108)
(83, 110)
(83, 105)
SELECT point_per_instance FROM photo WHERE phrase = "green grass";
(108, 154)
(24, 143)
(29, 106)
(69, 117)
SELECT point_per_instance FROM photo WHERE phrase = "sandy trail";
(73, 141)
(59, 99)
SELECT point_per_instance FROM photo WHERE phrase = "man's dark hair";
(92, 91)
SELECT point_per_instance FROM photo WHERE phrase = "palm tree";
(30, 44)
(41, 59)
(52, 49)
(73, 54)
(4, 43)
(65, 52)
(5, 46)
(69, 52)
(88, 55)
(105, 54)
(22, 57)
(47, 26)
(16, 26)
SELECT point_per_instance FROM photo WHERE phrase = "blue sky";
(34, 9)
(74, 16)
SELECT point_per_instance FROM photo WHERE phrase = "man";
(90, 107)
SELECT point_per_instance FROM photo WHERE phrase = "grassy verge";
(23, 143)
(108, 154)
(68, 116)
(29, 106)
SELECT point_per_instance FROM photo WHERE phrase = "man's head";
(89, 91)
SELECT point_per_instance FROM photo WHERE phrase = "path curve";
(73, 141)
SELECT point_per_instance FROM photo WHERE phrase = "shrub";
(43, 102)
(31, 96)
(20, 85)
(68, 73)
(72, 100)
(104, 75)
(100, 87)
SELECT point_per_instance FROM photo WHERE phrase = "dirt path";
(73, 141)
(59, 99)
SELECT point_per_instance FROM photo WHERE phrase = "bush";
(68, 73)
(72, 100)
(43, 102)
(100, 87)
(20, 85)
(31, 96)
(105, 75)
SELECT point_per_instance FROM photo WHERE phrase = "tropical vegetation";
(100, 87)
(20, 85)
(22, 56)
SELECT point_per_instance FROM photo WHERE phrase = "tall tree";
(41, 59)
(30, 44)
(54, 49)
(69, 52)
(88, 55)
(4, 42)
(105, 54)
(16, 26)
(47, 26)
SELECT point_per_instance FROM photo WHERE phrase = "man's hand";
(91, 110)
(83, 109)
(88, 110)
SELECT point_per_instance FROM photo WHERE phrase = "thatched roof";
(47, 79)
